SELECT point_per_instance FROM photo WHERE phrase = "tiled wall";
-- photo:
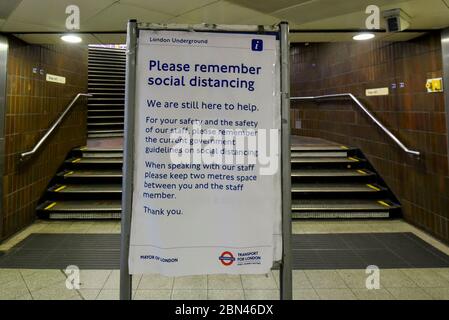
(418, 118)
(33, 104)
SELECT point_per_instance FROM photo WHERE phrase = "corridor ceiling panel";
(308, 16)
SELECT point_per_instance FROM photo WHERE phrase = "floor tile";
(189, 294)
(190, 282)
(335, 294)
(305, 294)
(8, 275)
(155, 281)
(438, 293)
(163, 294)
(45, 278)
(93, 279)
(109, 294)
(89, 294)
(395, 278)
(276, 274)
(354, 279)
(113, 282)
(374, 294)
(325, 279)
(427, 278)
(55, 293)
(300, 280)
(224, 281)
(409, 294)
(225, 294)
(13, 290)
(260, 294)
(259, 281)
(444, 272)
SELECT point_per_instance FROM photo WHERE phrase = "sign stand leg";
(128, 161)
(286, 265)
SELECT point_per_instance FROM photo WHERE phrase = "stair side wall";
(32, 105)
(418, 118)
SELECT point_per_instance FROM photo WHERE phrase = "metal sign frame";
(128, 157)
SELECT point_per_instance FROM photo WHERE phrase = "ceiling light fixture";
(72, 38)
(363, 36)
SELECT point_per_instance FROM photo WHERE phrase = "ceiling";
(101, 16)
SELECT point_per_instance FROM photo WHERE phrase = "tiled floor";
(310, 284)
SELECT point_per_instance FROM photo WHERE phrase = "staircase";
(107, 84)
(332, 181)
(89, 183)
(88, 186)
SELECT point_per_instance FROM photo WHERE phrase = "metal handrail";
(27, 155)
(372, 117)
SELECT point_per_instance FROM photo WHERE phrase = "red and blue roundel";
(226, 258)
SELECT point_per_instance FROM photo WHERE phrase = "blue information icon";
(256, 45)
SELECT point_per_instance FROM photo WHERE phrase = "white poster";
(207, 186)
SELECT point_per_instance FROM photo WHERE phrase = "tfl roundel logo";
(226, 258)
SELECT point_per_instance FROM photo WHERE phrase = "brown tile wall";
(33, 104)
(418, 118)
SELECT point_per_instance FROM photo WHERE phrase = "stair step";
(105, 117)
(96, 104)
(104, 131)
(105, 98)
(115, 87)
(326, 160)
(97, 160)
(331, 173)
(91, 77)
(86, 188)
(298, 154)
(107, 93)
(105, 81)
(93, 149)
(81, 205)
(105, 135)
(107, 62)
(92, 124)
(335, 187)
(102, 154)
(342, 205)
(115, 111)
(67, 174)
(313, 148)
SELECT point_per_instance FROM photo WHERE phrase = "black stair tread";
(81, 205)
(102, 154)
(105, 135)
(321, 153)
(313, 148)
(342, 205)
(105, 123)
(93, 149)
(105, 117)
(336, 187)
(100, 173)
(109, 104)
(104, 160)
(115, 111)
(326, 160)
(86, 188)
(343, 214)
(106, 98)
(105, 131)
(331, 173)
(102, 92)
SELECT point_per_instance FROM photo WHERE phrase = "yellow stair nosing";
(373, 187)
(51, 205)
(60, 188)
(383, 203)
